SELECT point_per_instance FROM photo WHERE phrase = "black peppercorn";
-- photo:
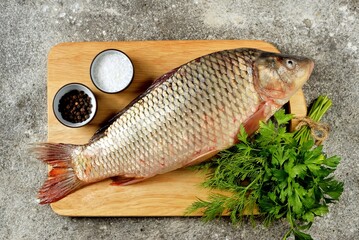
(75, 106)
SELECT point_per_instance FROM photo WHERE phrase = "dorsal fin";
(102, 130)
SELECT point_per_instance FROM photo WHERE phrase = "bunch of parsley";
(275, 173)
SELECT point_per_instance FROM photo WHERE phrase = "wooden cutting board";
(164, 195)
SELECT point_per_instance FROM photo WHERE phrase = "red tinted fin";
(252, 123)
(62, 179)
(123, 181)
(201, 158)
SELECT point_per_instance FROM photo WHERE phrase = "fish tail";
(62, 179)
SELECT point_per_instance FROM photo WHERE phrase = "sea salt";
(112, 71)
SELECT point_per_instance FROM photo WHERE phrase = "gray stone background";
(325, 30)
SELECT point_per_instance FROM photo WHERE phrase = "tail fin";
(62, 179)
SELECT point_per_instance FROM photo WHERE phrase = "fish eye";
(290, 64)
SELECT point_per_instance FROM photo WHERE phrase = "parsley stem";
(287, 234)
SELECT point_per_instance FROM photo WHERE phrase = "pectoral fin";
(252, 123)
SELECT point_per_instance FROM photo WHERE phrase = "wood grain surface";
(163, 195)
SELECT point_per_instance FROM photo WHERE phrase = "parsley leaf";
(282, 174)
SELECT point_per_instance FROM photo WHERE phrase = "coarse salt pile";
(112, 71)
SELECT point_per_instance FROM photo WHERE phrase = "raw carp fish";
(188, 114)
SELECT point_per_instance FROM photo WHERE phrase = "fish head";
(277, 77)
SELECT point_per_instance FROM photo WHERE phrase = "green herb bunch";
(275, 173)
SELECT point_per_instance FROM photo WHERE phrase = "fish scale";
(188, 113)
(211, 91)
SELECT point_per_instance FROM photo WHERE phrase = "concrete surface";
(324, 30)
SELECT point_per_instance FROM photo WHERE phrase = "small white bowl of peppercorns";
(74, 105)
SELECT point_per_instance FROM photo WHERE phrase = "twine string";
(319, 131)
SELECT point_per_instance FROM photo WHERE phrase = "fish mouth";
(305, 69)
(307, 64)
(311, 66)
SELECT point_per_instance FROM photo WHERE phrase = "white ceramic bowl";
(111, 71)
(65, 89)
